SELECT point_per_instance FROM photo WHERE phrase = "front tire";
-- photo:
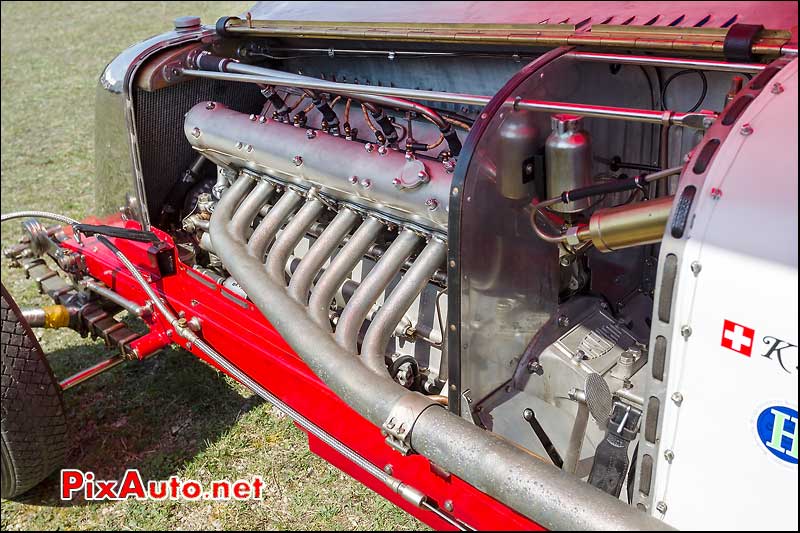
(34, 429)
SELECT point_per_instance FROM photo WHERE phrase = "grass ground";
(171, 415)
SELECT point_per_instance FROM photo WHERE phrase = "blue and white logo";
(777, 430)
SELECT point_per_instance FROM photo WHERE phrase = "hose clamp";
(400, 423)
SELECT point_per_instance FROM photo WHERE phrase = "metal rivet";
(453, 388)
(452, 264)
(382, 150)
(253, 117)
(448, 506)
(353, 180)
(388, 469)
(195, 132)
(686, 331)
(262, 119)
(249, 148)
(677, 397)
(310, 134)
(211, 105)
(661, 507)
(563, 321)
(369, 147)
(239, 145)
(669, 455)
(746, 129)
(452, 327)
(777, 88)
(696, 267)
(297, 160)
(432, 203)
(455, 191)
(366, 183)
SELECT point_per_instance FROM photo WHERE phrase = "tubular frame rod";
(92, 371)
(615, 113)
(104, 292)
(669, 62)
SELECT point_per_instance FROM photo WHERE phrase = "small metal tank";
(568, 160)
(519, 139)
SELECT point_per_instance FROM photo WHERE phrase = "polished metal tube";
(270, 224)
(92, 371)
(585, 110)
(320, 251)
(385, 100)
(251, 205)
(104, 292)
(371, 287)
(397, 303)
(289, 239)
(670, 62)
(341, 266)
(502, 470)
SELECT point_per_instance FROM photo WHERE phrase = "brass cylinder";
(628, 225)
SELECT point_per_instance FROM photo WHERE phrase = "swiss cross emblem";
(737, 337)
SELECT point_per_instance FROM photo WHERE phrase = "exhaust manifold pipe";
(491, 464)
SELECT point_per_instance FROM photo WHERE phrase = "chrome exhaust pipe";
(491, 464)
(270, 224)
(342, 265)
(320, 251)
(290, 237)
(396, 305)
(371, 287)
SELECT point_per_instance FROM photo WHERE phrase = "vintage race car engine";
(508, 250)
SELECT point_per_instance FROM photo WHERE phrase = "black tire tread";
(34, 428)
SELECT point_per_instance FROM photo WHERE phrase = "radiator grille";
(165, 152)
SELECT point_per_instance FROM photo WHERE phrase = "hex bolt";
(382, 150)
(353, 180)
(686, 331)
(423, 176)
(777, 88)
(448, 506)
(397, 182)
(369, 147)
(669, 455)
(696, 267)
(534, 367)
(410, 156)
(388, 469)
(297, 160)
(432, 203)
(449, 166)
(310, 134)
(746, 129)
(239, 145)
(195, 132)
(366, 183)
(563, 321)
(249, 147)
(262, 119)
(716, 193)
(211, 105)
(677, 397)
(661, 507)
(253, 117)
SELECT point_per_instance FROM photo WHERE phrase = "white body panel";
(724, 475)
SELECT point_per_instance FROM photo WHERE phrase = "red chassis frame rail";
(238, 331)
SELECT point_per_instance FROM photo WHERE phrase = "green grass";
(172, 414)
